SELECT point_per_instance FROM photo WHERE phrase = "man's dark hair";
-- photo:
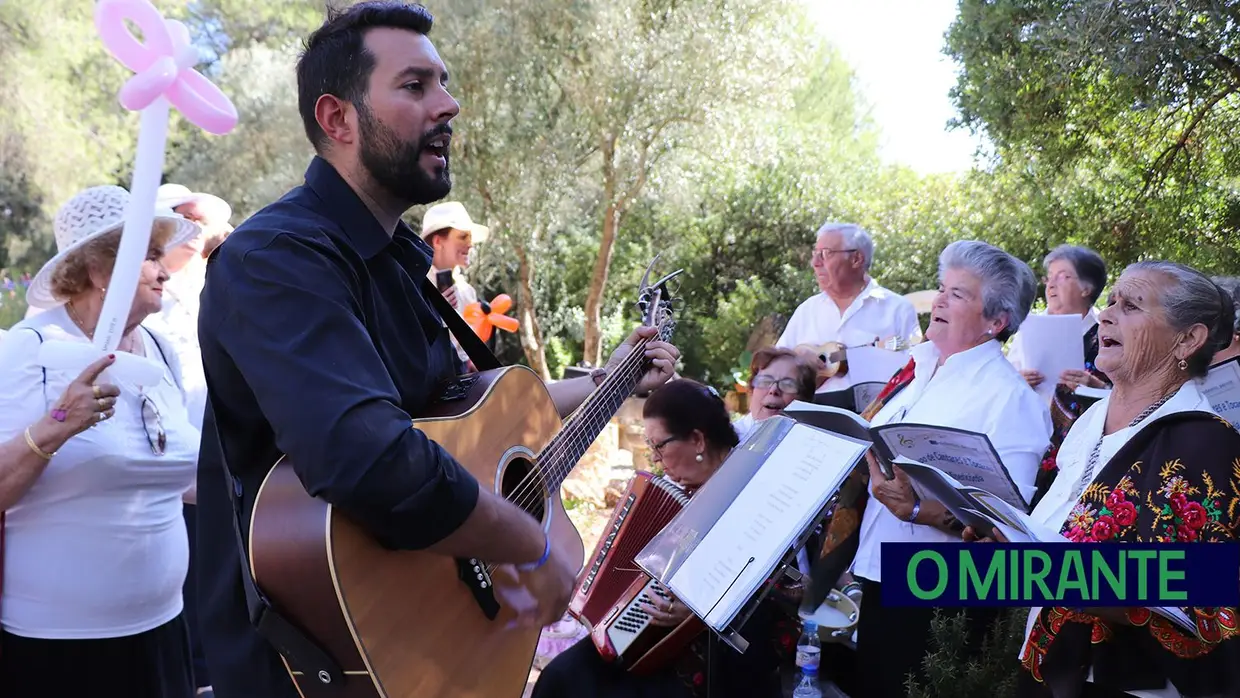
(335, 60)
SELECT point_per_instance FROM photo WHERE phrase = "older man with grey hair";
(851, 308)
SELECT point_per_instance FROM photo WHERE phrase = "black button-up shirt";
(317, 343)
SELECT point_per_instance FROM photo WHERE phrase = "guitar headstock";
(655, 302)
(894, 344)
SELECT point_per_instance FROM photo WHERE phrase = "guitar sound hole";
(526, 490)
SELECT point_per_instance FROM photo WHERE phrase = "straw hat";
(170, 196)
(452, 214)
(90, 214)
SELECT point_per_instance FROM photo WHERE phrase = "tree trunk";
(530, 333)
(598, 287)
(593, 350)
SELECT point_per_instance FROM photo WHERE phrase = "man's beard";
(395, 164)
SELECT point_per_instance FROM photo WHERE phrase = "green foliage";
(1116, 118)
(12, 308)
(955, 669)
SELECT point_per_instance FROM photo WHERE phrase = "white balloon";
(136, 236)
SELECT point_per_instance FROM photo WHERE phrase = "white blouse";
(97, 547)
(977, 390)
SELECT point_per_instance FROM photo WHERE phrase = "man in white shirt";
(852, 308)
(449, 230)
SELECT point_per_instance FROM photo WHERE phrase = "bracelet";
(598, 375)
(35, 447)
(916, 509)
(531, 566)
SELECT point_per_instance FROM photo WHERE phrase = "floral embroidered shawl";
(1177, 480)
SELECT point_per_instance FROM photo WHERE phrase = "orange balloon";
(483, 323)
(501, 304)
(504, 322)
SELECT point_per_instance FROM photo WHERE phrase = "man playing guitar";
(319, 342)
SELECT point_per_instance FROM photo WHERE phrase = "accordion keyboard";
(633, 620)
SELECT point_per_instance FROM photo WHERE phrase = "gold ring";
(101, 404)
(98, 391)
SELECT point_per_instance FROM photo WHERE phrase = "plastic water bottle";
(808, 653)
(808, 687)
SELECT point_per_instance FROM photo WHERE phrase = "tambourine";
(836, 618)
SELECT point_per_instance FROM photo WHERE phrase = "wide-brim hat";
(91, 214)
(172, 195)
(452, 214)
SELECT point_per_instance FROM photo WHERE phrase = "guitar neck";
(584, 425)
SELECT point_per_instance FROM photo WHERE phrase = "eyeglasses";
(1061, 277)
(820, 255)
(763, 382)
(151, 420)
(657, 449)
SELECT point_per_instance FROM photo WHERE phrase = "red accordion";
(612, 588)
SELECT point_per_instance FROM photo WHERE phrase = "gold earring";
(1183, 365)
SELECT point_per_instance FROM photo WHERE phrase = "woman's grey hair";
(1191, 299)
(854, 237)
(1231, 285)
(1008, 284)
(1090, 268)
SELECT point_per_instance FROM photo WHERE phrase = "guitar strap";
(478, 352)
(301, 652)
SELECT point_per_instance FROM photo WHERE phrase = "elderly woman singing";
(1150, 463)
(91, 479)
(958, 378)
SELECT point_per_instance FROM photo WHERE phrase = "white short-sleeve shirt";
(876, 313)
(977, 390)
(97, 547)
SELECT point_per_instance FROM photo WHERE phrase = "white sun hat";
(452, 214)
(170, 196)
(92, 213)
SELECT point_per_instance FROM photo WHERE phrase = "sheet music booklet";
(965, 456)
(759, 507)
(1222, 388)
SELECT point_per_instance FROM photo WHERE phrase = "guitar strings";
(529, 490)
(552, 453)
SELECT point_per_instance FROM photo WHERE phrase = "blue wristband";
(531, 566)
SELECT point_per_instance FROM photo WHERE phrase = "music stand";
(722, 554)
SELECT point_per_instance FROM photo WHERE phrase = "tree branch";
(1162, 163)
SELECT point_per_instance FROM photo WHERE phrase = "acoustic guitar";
(832, 357)
(411, 624)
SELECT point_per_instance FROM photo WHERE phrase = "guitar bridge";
(456, 388)
(473, 573)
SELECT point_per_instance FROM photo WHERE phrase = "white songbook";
(723, 546)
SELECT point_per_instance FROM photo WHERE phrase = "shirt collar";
(347, 210)
(965, 363)
(1088, 320)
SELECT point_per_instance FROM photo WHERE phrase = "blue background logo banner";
(1061, 574)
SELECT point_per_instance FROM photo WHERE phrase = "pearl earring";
(698, 458)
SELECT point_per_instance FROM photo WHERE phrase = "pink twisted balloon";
(164, 65)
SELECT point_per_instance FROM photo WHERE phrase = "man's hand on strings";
(661, 355)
